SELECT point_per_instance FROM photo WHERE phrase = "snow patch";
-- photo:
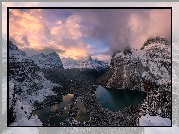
(154, 121)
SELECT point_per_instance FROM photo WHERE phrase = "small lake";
(116, 99)
(82, 114)
(46, 113)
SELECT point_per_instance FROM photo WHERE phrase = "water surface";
(82, 113)
(45, 114)
(116, 99)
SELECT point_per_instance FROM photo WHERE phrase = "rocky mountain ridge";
(47, 61)
(148, 70)
(132, 68)
(89, 64)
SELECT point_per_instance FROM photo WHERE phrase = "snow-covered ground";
(148, 120)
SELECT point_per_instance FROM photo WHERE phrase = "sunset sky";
(78, 33)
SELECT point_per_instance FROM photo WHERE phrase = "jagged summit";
(127, 51)
(53, 53)
(51, 60)
(152, 63)
(43, 61)
(152, 41)
(15, 52)
(90, 58)
(90, 64)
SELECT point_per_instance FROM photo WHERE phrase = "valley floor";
(82, 86)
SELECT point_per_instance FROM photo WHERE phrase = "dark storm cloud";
(67, 60)
(15, 42)
(25, 40)
(32, 51)
(119, 28)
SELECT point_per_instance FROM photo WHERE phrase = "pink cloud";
(70, 28)
(114, 29)
(158, 23)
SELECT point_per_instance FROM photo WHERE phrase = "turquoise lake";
(116, 99)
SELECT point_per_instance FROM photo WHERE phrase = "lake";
(113, 99)
(82, 114)
(116, 99)
(46, 113)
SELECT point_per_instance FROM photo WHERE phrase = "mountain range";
(147, 69)
(89, 63)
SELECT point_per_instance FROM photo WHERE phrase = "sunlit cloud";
(70, 28)
(76, 34)
(27, 28)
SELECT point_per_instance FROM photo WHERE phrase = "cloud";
(106, 58)
(73, 49)
(70, 28)
(22, 43)
(157, 23)
(25, 40)
(31, 51)
(67, 60)
(104, 55)
(78, 33)
(118, 28)
(28, 29)
(15, 42)
(47, 31)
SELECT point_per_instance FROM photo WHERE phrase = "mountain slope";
(15, 52)
(47, 61)
(147, 69)
(152, 64)
(27, 85)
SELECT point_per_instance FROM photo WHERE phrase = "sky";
(80, 33)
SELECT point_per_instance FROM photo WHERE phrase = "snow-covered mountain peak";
(53, 53)
(15, 52)
(41, 54)
(90, 59)
(48, 61)
(27, 85)
(89, 63)
(156, 42)
(151, 63)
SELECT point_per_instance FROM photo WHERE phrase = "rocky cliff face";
(133, 69)
(149, 70)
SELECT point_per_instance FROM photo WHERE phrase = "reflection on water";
(46, 112)
(82, 114)
(116, 99)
